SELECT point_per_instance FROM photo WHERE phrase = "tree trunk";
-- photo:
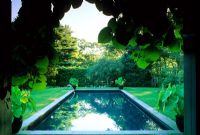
(5, 115)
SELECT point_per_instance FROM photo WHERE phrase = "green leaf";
(166, 95)
(151, 55)
(73, 81)
(132, 42)
(30, 84)
(112, 24)
(17, 111)
(24, 100)
(176, 46)
(19, 80)
(24, 107)
(33, 104)
(177, 33)
(15, 95)
(42, 65)
(25, 96)
(117, 44)
(172, 101)
(141, 63)
(145, 46)
(39, 83)
(173, 89)
(39, 86)
(120, 81)
(105, 35)
(160, 95)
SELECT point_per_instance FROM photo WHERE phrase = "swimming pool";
(99, 110)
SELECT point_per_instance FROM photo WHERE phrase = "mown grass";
(44, 97)
(150, 97)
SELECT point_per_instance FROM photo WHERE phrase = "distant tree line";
(95, 64)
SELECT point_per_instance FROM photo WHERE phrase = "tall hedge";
(64, 74)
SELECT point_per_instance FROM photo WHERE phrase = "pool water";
(97, 111)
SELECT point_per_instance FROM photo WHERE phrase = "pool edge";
(164, 119)
(124, 132)
(32, 120)
(43, 112)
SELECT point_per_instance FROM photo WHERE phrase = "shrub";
(73, 82)
(172, 98)
(120, 81)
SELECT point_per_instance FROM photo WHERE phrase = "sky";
(85, 21)
(16, 4)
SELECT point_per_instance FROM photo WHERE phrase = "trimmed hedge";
(64, 74)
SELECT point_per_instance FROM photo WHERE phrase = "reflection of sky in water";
(97, 111)
(95, 122)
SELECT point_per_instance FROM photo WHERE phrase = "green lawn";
(149, 96)
(45, 97)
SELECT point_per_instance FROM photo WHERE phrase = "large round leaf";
(112, 24)
(90, 1)
(122, 35)
(99, 5)
(60, 7)
(107, 7)
(105, 35)
(76, 3)
(117, 44)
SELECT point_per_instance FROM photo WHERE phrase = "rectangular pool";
(98, 111)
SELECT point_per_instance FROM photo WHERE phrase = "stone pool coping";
(125, 132)
(45, 111)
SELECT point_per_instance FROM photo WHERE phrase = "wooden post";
(190, 66)
(190, 88)
(5, 102)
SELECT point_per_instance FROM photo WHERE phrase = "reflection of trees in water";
(60, 119)
(126, 115)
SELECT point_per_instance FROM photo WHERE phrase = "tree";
(65, 46)
(89, 52)
(168, 69)
(111, 51)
